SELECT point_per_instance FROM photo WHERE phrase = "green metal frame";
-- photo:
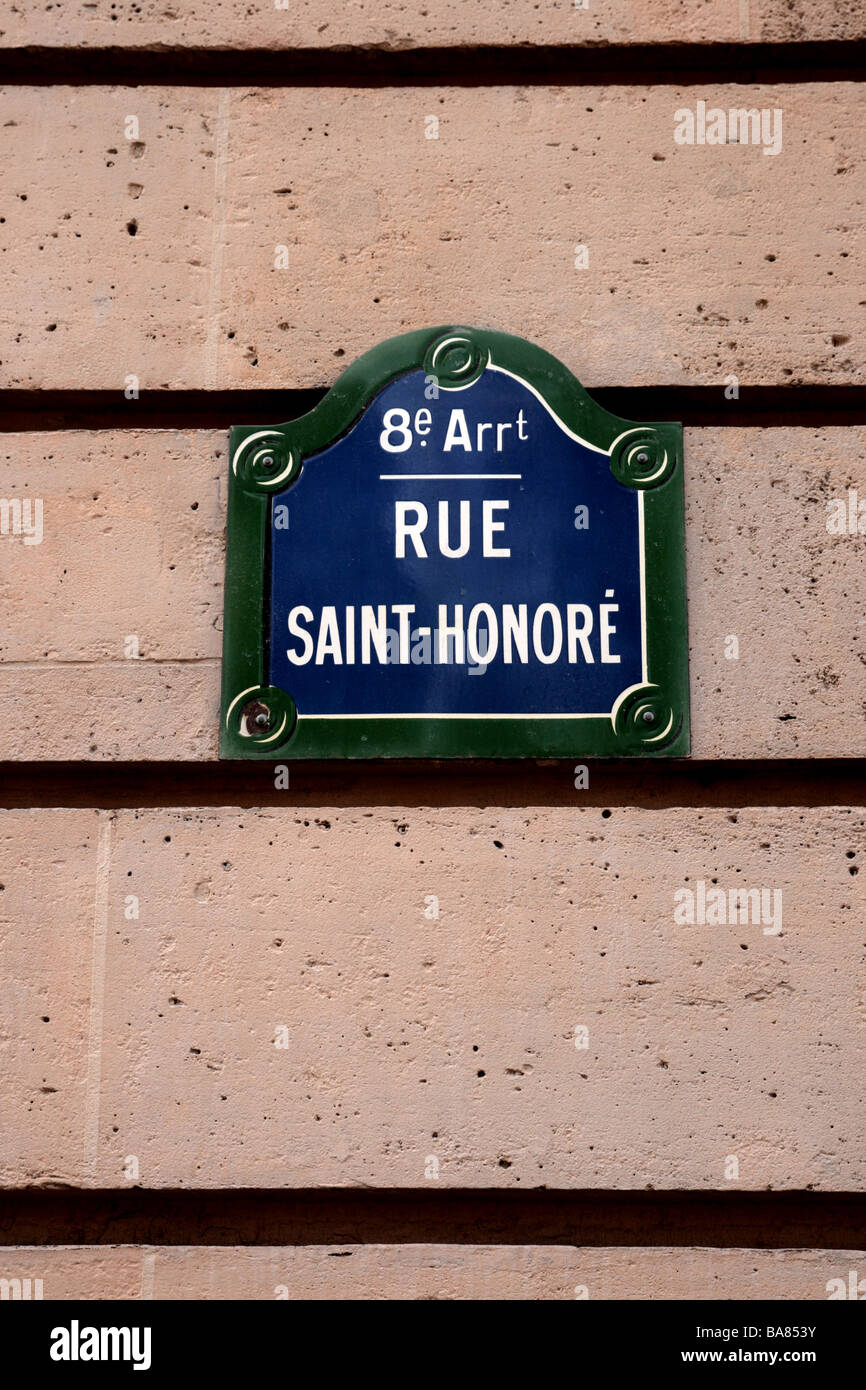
(260, 721)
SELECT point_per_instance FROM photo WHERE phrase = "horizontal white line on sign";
(439, 477)
(424, 714)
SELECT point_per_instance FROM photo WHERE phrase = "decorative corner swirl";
(263, 462)
(455, 361)
(644, 718)
(640, 458)
(264, 714)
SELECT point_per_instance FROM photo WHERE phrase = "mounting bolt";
(267, 463)
(648, 716)
(257, 716)
(642, 458)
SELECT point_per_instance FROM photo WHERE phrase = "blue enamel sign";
(467, 569)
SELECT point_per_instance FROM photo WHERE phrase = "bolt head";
(648, 716)
(257, 716)
(642, 458)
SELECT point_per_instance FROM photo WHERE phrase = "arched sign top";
(457, 553)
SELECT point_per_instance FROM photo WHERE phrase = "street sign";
(456, 554)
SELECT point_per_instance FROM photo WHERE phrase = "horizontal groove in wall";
(471, 66)
(771, 1220)
(757, 407)
(652, 785)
